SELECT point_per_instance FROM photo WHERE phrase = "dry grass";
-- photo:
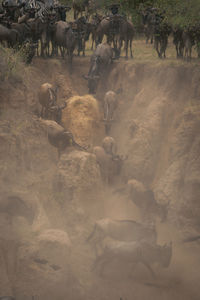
(10, 63)
(146, 53)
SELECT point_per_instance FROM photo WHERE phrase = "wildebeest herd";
(121, 240)
(25, 23)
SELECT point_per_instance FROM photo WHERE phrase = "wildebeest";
(121, 230)
(92, 27)
(79, 28)
(126, 34)
(161, 34)
(99, 64)
(47, 96)
(48, 99)
(8, 35)
(132, 253)
(110, 103)
(104, 161)
(188, 37)
(79, 7)
(110, 164)
(102, 28)
(110, 26)
(178, 41)
(64, 38)
(59, 137)
(148, 19)
(109, 145)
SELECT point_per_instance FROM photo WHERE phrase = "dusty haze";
(156, 124)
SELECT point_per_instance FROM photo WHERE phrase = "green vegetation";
(181, 13)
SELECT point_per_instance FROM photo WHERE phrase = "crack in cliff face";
(156, 125)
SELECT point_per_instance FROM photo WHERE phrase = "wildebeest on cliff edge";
(101, 59)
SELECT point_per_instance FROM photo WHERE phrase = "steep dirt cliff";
(55, 201)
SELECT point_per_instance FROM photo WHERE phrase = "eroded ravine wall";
(156, 124)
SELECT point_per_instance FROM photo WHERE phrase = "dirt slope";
(156, 124)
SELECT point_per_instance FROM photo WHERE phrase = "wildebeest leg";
(75, 14)
(43, 42)
(83, 46)
(177, 50)
(70, 59)
(93, 39)
(62, 51)
(126, 47)
(131, 42)
(120, 46)
(157, 48)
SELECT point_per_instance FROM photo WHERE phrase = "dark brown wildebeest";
(178, 41)
(79, 7)
(47, 97)
(100, 61)
(64, 38)
(117, 29)
(148, 19)
(102, 29)
(10, 36)
(59, 137)
(197, 38)
(109, 145)
(161, 34)
(110, 27)
(110, 164)
(188, 37)
(126, 34)
(110, 103)
(80, 27)
(121, 230)
(134, 253)
(92, 28)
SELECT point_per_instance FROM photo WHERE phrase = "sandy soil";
(156, 125)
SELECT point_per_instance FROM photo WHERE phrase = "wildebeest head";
(93, 76)
(166, 255)
(9, 3)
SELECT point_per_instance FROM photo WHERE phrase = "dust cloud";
(49, 206)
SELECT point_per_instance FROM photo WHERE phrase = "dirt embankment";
(156, 124)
